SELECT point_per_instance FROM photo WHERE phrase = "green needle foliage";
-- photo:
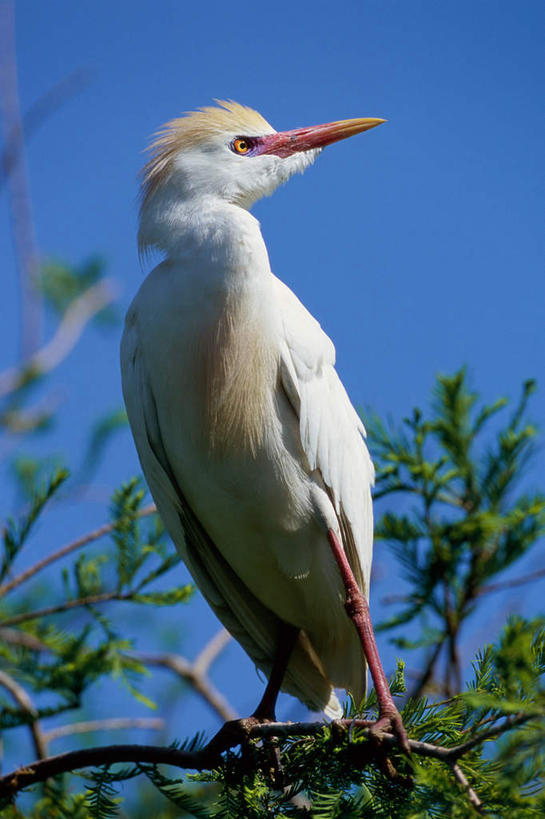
(461, 517)
(58, 656)
(457, 514)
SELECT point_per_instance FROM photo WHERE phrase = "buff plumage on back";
(187, 131)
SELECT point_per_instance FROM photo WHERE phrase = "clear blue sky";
(419, 246)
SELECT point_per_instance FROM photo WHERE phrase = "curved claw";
(390, 722)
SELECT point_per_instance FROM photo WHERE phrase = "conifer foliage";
(456, 513)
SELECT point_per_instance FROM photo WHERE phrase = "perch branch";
(230, 735)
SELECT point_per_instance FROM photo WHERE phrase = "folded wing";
(332, 433)
(255, 626)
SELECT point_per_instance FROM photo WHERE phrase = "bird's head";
(230, 152)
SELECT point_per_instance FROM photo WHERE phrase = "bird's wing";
(332, 433)
(255, 626)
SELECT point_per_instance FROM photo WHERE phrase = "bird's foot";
(234, 732)
(375, 750)
(390, 722)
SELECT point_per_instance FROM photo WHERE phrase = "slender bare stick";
(114, 724)
(460, 777)
(511, 584)
(196, 673)
(493, 732)
(19, 194)
(16, 637)
(211, 651)
(77, 316)
(22, 698)
(105, 529)
(40, 110)
(68, 605)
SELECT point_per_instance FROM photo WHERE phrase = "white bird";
(248, 441)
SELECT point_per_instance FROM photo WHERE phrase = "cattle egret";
(251, 448)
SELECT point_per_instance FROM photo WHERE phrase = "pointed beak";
(286, 143)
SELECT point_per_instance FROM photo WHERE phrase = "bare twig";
(16, 637)
(230, 735)
(114, 724)
(211, 651)
(460, 777)
(511, 584)
(105, 529)
(74, 321)
(68, 605)
(23, 700)
(492, 733)
(427, 673)
(20, 203)
(444, 497)
(196, 673)
(40, 110)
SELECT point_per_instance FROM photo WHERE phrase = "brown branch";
(511, 584)
(90, 600)
(451, 500)
(19, 194)
(460, 777)
(16, 637)
(22, 699)
(427, 674)
(211, 651)
(77, 316)
(230, 735)
(52, 766)
(40, 110)
(114, 724)
(195, 673)
(492, 733)
(105, 529)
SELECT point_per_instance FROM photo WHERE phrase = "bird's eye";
(240, 146)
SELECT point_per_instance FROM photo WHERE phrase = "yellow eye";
(241, 146)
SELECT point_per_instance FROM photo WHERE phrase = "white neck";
(204, 228)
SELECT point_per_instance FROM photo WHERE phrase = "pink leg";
(266, 708)
(357, 609)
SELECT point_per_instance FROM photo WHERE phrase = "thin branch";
(22, 699)
(460, 777)
(20, 203)
(15, 637)
(40, 110)
(229, 736)
(114, 724)
(451, 500)
(77, 316)
(492, 733)
(196, 673)
(511, 584)
(427, 674)
(108, 755)
(211, 651)
(78, 602)
(105, 529)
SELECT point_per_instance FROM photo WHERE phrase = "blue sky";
(419, 246)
